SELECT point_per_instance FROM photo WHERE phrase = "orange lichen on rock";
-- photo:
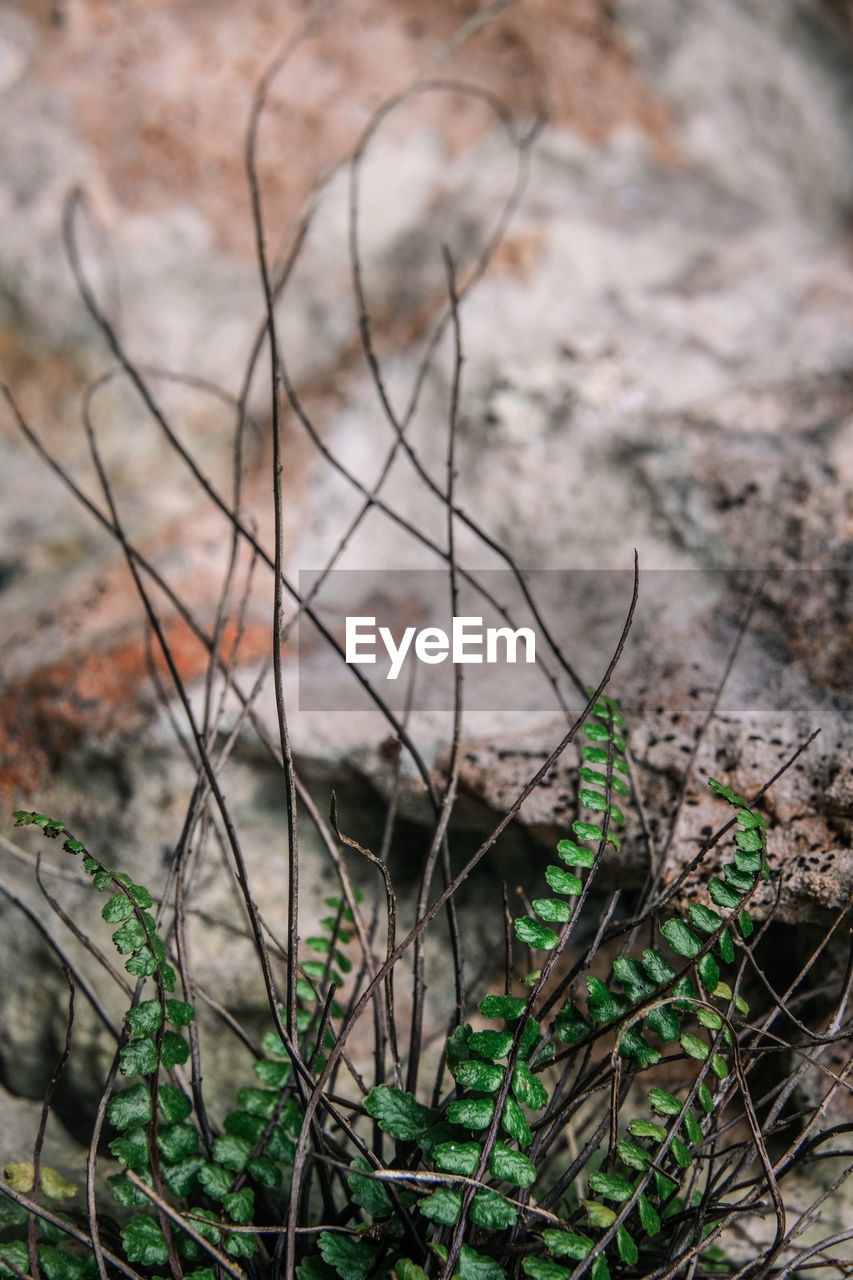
(57, 706)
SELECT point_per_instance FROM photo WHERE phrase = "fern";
(467, 1169)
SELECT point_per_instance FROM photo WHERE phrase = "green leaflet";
(398, 1113)
(472, 1113)
(442, 1206)
(534, 934)
(511, 1166)
(574, 855)
(681, 938)
(610, 1186)
(567, 1244)
(544, 1269)
(457, 1157)
(492, 1211)
(563, 881)
(491, 1044)
(553, 910)
(473, 1266)
(507, 1007)
(352, 1259)
(484, 1076)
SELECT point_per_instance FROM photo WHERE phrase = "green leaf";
(664, 1022)
(457, 1157)
(567, 1244)
(633, 1156)
(723, 894)
(397, 1113)
(569, 1024)
(593, 800)
(574, 855)
(174, 1050)
(554, 910)
(544, 1269)
(691, 1128)
(597, 732)
(145, 1018)
(745, 861)
(703, 918)
(404, 1269)
(491, 1044)
(266, 1172)
(179, 1013)
(143, 1242)
(658, 969)
(132, 1149)
(258, 1102)
(598, 1214)
(632, 1045)
(563, 881)
(240, 1246)
(631, 977)
(514, 1123)
(534, 935)
(709, 972)
(352, 1259)
(694, 1047)
(648, 1217)
(142, 964)
(483, 1076)
(719, 1066)
(173, 1104)
(681, 939)
(646, 1129)
(680, 1154)
(472, 1113)
(664, 1103)
(231, 1151)
(750, 841)
(139, 1058)
(125, 1192)
(131, 1107)
(707, 1018)
(628, 1251)
(131, 935)
(508, 1007)
(528, 1088)
(727, 948)
(442, 1206)
(180, 1178)
(586, 831)
(240, 1206)
(473, 1266)
(274, 1074)
(603, 1005)
(117, 909)
(177, 1141)
(492, 1211)
(280, 1147)
(511, 1166)
(610, 1186)
(706, 1101)
(745, 924)
(739, 880)
(14, 1251)
(215, 1180)
(594, 776)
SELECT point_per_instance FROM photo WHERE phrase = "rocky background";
(659, 357)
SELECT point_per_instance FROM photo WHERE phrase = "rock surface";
(659, 357)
